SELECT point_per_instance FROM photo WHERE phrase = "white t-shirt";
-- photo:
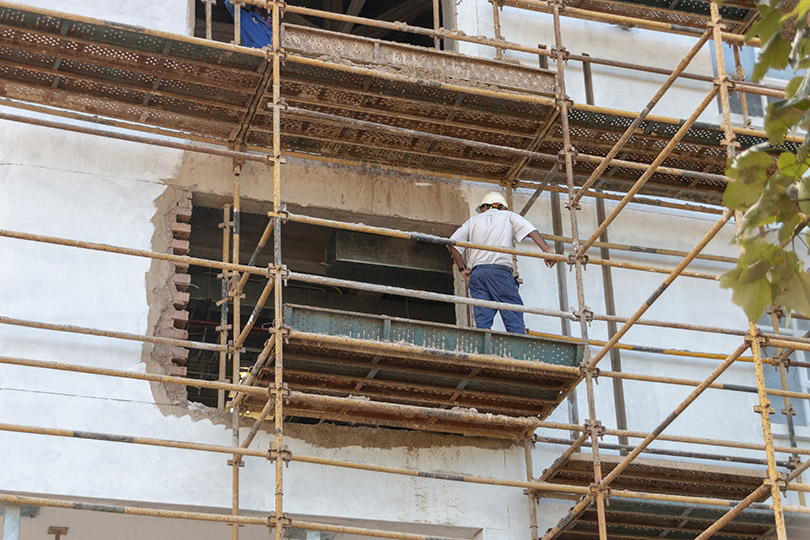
(492, 228)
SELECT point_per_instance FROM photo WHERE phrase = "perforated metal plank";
(431, 373)
(684, 13)
(642, 520)
(665, 476)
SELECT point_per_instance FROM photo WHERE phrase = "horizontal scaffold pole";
(423, 237)
(177, 145)
(20, 500)
(778, 341)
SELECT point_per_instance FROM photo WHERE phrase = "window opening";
(313, 250)
(412, 12)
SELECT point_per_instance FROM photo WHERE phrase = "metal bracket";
(595, 426)
(239, 462)
(789, 411)
(584, 369)
(773, 310)
(563, 52)
(231, 348)
(284, 454)
(586, 313)
(768, 409)
(794, 462)
(284, 521)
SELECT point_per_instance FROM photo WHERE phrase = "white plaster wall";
(175, 16)
(613, 87)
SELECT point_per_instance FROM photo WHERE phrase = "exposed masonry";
(174, 318)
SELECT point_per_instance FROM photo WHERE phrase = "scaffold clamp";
(595, 426)
(794, 462)
(284, 521)
(284, 454)
(586, 314)
(239, 462)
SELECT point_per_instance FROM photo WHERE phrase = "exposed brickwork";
(173, 321)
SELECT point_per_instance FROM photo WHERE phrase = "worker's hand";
(549, 262)
(466, 273)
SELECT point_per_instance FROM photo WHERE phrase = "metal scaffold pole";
(224, 299)
(568, 152)
(756, 340)
(278, 453)
(236, 461)
(781, 363)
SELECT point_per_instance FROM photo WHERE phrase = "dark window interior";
(312, 250)
(413, 12)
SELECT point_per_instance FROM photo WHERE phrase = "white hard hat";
(492, 197)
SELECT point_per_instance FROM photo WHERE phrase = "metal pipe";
(422, 237)
(257, 309)
(152, 377)
(788, 411)
(188, 146)
(567, 152)
(278, 329)
(254, 257)
(219, 518)
(223, 314)
(496, 21)
(610, 308)
(527, 454)
(666, 452)
(661, 288)
(110, 334)
(631, 129)
(547, 6)
(621, 466)
(366, 124)
(182, 259)
(651, 169)
(236, 300)
(437, 25)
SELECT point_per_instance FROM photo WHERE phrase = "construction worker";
(256, 28)
(489, 273)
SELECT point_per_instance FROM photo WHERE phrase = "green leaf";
(799, 11)
(769, 23)
(795, 294)
(752, 297)
(793, 85)
(782, 116)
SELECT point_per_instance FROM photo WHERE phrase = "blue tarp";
(256, 30)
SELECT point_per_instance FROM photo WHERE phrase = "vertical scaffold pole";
(496, 22)
(224, 299)
(237, 22)
(279, 519)
(764, 408)
(236, 461)
(781, 362)
(593, 427)
(527, 451)
(437, 24)
(209, 24)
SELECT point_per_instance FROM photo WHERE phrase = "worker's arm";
(534, 235)
(459, 261)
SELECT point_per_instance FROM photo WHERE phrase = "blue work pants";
(496, 283)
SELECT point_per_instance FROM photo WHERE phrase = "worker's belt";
(498, 266)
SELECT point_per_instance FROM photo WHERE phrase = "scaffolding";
(202, 96)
